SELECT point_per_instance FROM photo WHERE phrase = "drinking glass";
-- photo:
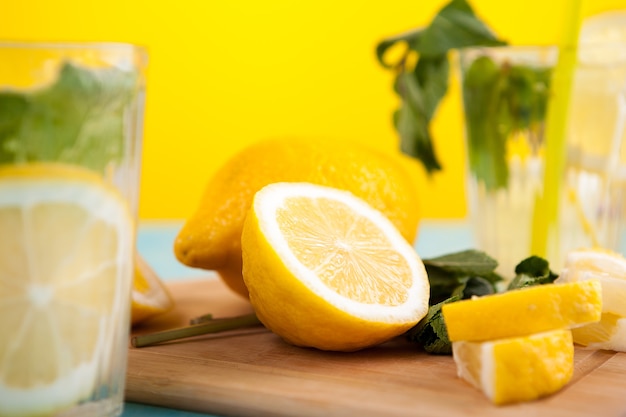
(506, 91)
(71, 121)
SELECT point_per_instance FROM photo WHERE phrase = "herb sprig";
(79, 119)
(500, 101)
(421, 86)
(461, 276)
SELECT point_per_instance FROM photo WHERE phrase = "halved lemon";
(519, 368)
(326, 270)
(65, 273)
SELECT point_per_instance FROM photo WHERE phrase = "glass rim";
(531, 46)
(71, 45)
(586, 52)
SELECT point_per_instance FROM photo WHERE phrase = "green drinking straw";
(546, 213)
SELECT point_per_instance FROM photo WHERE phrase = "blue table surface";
(155, 242)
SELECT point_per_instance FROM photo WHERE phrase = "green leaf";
(432, 77)
(474, 287)
(410, 121)
(410, 38)
(80, 119)
(450, 273)
(468, 262)
(527, 95)
(533, 270)
(13, 106)
(414, 140)
(455, 27)
(483, 83)
(431, 331)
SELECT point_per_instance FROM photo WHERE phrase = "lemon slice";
(517, 369)
(326, 270)
(150, 297)
(524, 311)
(64, 267)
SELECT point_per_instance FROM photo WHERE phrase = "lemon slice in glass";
(65, 274)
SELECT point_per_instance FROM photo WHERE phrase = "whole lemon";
(211, 237)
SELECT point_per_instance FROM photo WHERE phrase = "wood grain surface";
(252, 372)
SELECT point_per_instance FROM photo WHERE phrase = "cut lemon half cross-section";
(326, 270)
(65, 258)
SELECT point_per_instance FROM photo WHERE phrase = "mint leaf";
(80, 119)
(431, 331)
(12, 109)
(451, 273)
(533, 270)
(467, 262)
(474, 286)
(410, 38)
(455, 27)
(483, 103)
(411, 121)
(499, 101)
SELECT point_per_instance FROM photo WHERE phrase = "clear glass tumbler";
(71, 121)
(506, 91)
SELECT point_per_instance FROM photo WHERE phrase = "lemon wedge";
(524, 311)
(150, 297)
(517, 369)
(326, 270)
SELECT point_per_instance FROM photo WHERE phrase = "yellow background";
(225, 74)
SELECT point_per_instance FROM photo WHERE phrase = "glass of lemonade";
(71, 120)
(505, 98)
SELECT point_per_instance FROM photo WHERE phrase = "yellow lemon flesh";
(326, 270)
(609, 268)
(517, 369)
(524, 311)
(211, 237)
(64, 265)
(150, 297)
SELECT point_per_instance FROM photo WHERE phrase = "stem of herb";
(202, 319)
(205, 327)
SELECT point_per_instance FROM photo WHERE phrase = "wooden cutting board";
(252, 372)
